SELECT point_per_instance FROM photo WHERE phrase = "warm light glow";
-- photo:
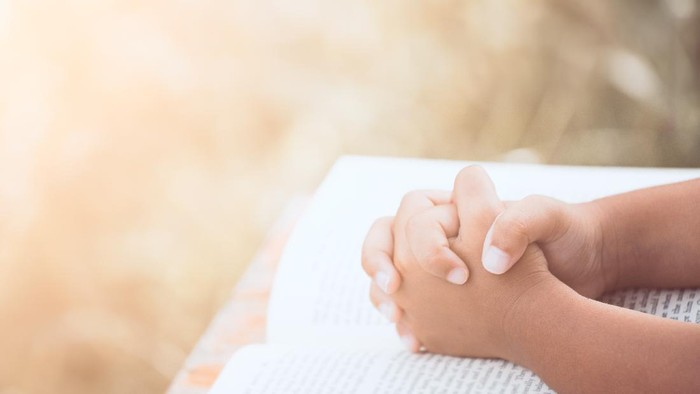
(146, 147)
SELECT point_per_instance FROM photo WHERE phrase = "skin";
(542, 317)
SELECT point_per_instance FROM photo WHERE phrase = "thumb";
(532, 219)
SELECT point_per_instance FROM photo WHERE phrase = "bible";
(323, 335)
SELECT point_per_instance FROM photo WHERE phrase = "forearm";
(580, 345)
(651, 236)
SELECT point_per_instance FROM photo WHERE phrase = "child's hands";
(426, 225)
(467, 320)
(569, 235)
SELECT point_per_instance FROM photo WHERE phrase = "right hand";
(570, 235)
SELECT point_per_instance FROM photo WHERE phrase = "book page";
(275, 369)
(681, 304)
(320, 293)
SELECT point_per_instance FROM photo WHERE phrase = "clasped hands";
(451, 268)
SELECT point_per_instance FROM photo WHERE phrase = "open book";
(324, 335)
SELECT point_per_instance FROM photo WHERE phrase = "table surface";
(243, 317)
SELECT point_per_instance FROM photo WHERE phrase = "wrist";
(536, 308)
(607, 243)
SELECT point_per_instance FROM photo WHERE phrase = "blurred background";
(147, 146)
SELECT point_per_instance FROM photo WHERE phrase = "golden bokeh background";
(147, 146)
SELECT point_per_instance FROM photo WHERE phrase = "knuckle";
(433, 261)
(519, 228)
(415, 224)
(412, 224)
(510, 228)
(437, 251)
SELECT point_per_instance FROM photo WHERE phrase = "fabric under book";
(324, 336)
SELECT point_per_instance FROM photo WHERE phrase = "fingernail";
(382, 280)
(495, 260)
(457, 276)
(387, 309)
(409, 341)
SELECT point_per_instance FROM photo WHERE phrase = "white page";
(263, 369)
(682, 305)
(320, 294)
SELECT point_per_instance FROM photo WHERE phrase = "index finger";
(428, 233)
(413, 203)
